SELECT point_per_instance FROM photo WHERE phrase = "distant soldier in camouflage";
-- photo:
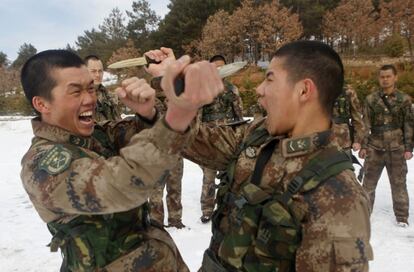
(227, 109)
(107, 107)
(348, 127)
(387, 115)
(90, 183)
(173, 182)
(288, 199)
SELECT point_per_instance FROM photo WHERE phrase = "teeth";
(86, 114)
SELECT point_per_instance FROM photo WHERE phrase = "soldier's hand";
(202, 85)
(137, 95)
(408, 155)
(362, 153)
(164, 55)
(356, 146)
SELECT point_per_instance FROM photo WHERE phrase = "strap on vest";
(326, 164)
(262, 160)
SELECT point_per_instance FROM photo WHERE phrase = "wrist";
(178, 119)
(150, 115)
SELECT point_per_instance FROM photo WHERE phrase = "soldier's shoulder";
(405, 96)
(346, 185)
(50, 157)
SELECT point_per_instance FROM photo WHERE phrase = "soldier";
(288, 199)
(90, 183)
(173, 182)
(227, 109)
(387, 116)
(348, 127)
(107, 107)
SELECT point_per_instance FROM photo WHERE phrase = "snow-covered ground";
(23, 236)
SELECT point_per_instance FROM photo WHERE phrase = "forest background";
(366, 33)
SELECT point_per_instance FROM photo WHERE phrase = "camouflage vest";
(88, 242)
(106, 107)
(222, 107)
(380, 109)
(264, 229)
(342, 109)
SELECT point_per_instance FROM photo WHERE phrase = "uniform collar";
(382, 93)
(302, 145)
(57, 134)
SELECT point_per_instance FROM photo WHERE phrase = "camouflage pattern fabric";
(390, 136)
(172, 182)
(396, 167)
(347, 113)
(208, 191)
(335, 227)
(107, 106)
(92, 184)
(226, 109)
(173, 185)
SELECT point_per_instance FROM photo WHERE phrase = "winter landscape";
(23, 236)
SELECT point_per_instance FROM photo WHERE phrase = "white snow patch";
(23, 236)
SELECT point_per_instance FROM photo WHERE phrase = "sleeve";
(408, 128)
(336, 235)
(214, 146)
(94, 185)
(356, 117)
(120, 132)
(367, 122)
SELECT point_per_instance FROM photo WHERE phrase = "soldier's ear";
(307, 89)
(41, 104)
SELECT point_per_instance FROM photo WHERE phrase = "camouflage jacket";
(226, 109)
(336, 226)
(388, 127)
(116, 173)
(107, 107)
(347, 115)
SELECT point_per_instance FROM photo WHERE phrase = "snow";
(23, 236)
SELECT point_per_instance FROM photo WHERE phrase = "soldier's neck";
(311, 123)
(389, 90)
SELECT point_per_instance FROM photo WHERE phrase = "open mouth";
(86, 117)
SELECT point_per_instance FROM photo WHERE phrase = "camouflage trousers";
(157, 254)
(175, 209)
(396, 167)
(208, 191)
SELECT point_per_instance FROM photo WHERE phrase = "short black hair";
(389, 67)
(218, 57)
(318, 61)
(90, 57)
(36, 75)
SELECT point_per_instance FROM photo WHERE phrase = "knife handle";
(149, 61)
(179, 85)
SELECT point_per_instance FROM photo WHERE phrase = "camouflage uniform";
(225, 110)
(390, 136)
(172, 183)
(335, 227)
(347, 124)
(107, 107)
(92, 192)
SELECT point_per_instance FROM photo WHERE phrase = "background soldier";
(173, 181)
(227, 109)
(289, 200)
(348, 127)
(89, 183)
(387, 115)
(107, 107)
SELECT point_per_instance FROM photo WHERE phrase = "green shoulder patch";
(56, 160)
(298, 145)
